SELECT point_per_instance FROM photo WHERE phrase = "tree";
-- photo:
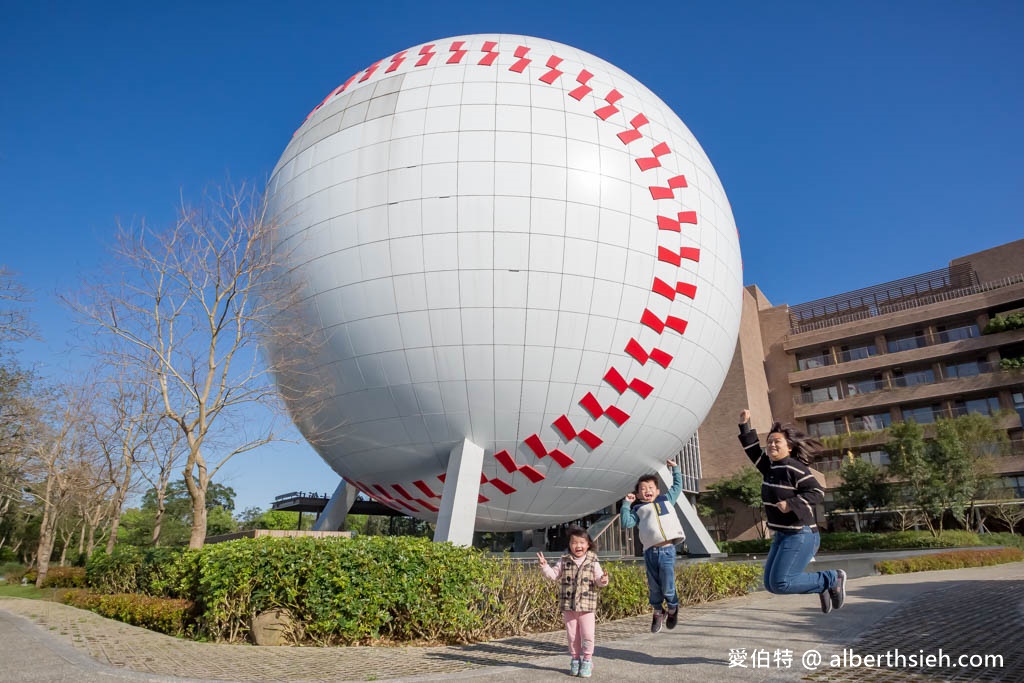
(864, 486)
(60, 463)
(944, 474)
(176, 517)
(193, 304)
(743, 486)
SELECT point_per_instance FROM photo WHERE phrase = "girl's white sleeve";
(598, 572)
(552, 572)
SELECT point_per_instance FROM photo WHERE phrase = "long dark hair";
(582, 533)
(801, 446)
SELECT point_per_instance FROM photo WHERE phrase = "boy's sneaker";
(826, 600)
(838, 591)
(656, 622)
(672, 618)
(586, 668)
(574, 668)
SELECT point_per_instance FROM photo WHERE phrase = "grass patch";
(29, 591)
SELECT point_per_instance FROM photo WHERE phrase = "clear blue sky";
(858, 142)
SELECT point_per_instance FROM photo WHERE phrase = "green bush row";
(376, 589)
(957, 560)
(847, 541)
(159, 572)
(56, 577)
(165, 615)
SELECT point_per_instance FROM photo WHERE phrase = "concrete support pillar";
(334, 515)
(698, 540)
(456, 518)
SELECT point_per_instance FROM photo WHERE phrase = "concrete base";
(698, 540)
(456, 518)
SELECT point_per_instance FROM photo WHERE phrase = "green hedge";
(345, 590)
(159, 572)
(376, 589)
(957, 560)
(165, 615)
(849, 541)
(57, 577)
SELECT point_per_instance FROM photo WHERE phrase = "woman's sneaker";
(586, 668)
(826, 600)
(656, 622)
(838, 591)
(670, 620)
(574, 667)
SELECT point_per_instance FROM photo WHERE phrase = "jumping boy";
(660, 531)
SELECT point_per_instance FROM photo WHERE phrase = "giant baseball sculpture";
(526, 272)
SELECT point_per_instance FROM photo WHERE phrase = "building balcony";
(991, 377)
(911, 357)
(959, 303)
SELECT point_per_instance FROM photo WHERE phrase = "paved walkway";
(759, 637)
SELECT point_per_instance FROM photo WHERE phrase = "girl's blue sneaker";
(586, 668)
(574, 667)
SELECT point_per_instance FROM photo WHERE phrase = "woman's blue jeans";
(789, 554)
(661, 576)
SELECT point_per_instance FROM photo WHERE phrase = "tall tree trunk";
(122, 493)
(158, 520)
(198, 537)
(115, 525)
(46, 531)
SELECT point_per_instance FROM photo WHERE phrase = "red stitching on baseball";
(519, 66)
(396, 61)
(631, 134)
(552, 75)
(488, 59)
(459, 53)
(611, 98)
(428, 53)
(582, 78)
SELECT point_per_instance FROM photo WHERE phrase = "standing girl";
(579, 575)
(789, 493)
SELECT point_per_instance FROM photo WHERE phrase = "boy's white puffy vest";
(657, 522)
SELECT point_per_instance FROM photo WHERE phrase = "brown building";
(852, 364)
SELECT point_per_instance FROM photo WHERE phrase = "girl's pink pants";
(579, 627)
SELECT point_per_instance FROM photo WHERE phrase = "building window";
(871, 423)
(876, 458)
(968, 331)
(1012, 487)
(1018, 404)
(910, 379)
(988, 405)
(817, 359)
(922, 415)
(907, 342)
(819, 394)
(864, 385)
(826, 428)
(848, 353)
(970, 368)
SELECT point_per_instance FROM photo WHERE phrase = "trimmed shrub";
(955, 560)
(848, 541)
(164, 615)
(13, 572)
(345, 590)
(64, 577)
(370, 589)
(158, 572)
